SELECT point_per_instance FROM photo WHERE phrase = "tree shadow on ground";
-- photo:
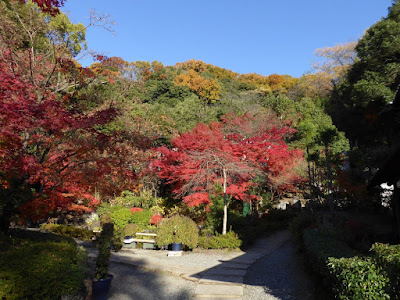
(139, 284)
(280, 273)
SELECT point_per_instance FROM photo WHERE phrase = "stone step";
(234, 266)
(221, 291)
(226, 271)
(241, 260)
(222, 279)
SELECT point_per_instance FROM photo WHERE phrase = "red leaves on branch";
(136, 209)
(155, 219)
(56, 152)
(198, 159)
(49, 6)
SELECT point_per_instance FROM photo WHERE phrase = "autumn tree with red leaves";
(208, 154)
(50, 150)
(54, 152)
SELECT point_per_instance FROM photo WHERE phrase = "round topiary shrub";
(178, 229)
(130, 229)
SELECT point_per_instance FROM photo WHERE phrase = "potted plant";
(102, 279)
(177, 230)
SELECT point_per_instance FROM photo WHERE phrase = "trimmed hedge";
(228, 241)
(141, 218)
(321, 244)
(46, 268)
(348, 275)
(358, 278)
(388, 258)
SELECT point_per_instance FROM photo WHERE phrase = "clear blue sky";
(253, 36)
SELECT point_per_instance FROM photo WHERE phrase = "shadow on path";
(270, 269)
(139, 284)
(279, 275)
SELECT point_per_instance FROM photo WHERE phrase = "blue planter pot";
(176, 246)
(101, 288)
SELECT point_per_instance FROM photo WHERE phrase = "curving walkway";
(212, 274)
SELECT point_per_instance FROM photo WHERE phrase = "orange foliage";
(207, 89)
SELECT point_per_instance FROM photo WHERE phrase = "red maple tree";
(221, 153)
(56, 153)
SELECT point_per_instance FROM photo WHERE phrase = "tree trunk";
(225, 220)
(329, 177)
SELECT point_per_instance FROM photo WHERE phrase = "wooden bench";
(146, 234)
(147, 243)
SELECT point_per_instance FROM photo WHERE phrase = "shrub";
(104, 244)
(120, 216)
(141, 218)
(178, 229)
(228, 241)
(319, 245)
(299, 223)
(130, 230)
(105, 218)
(71, 231)
(41, 269)
(358, 279)
(388, 257)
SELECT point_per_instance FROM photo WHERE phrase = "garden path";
(270, 269)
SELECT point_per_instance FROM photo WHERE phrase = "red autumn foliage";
(136, 209)
(155, 219)
(49, 6)
(54, 151)
(198, 159)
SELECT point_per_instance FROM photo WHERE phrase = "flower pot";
(101, 288)
(176, 246)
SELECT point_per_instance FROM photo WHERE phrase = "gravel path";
(138, 284)
(279, 275)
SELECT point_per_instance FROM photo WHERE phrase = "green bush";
(357, 279)
(40, 269)
(388, 258)
(228, 241)
(70, 231)
(319, 245)
(178, 229)
(299, 223)
(120, 216)
(130, 230)
(141, 218)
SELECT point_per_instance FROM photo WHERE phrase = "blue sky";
(252, 36)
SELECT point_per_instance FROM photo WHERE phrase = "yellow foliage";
(198, 66)
(207, 89)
